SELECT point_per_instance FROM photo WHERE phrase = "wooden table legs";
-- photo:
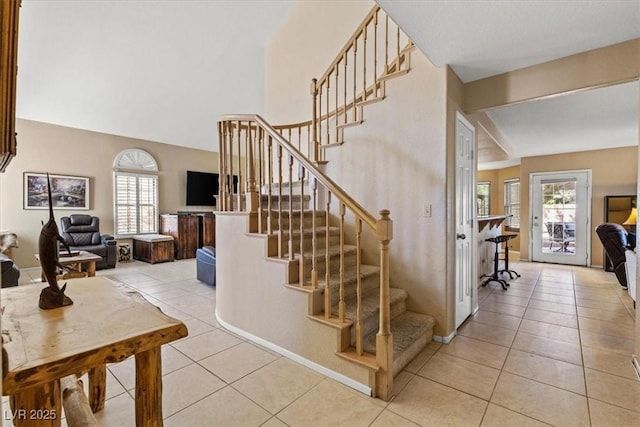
(97, 387)
(37, 406)
(149, 388)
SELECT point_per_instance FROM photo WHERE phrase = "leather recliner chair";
(82, 233)
(614, 239)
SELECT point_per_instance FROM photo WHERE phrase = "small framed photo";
(67, 192)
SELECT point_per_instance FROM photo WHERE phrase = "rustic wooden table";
(107, 323)
(76, 261)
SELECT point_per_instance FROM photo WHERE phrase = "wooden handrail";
(335, 189)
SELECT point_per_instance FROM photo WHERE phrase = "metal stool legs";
(506, 261)
(494, 277)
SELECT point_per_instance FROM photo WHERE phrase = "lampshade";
(633, 217)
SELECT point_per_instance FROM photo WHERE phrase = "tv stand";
(190, 231)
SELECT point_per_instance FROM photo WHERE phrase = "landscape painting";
(67, 192)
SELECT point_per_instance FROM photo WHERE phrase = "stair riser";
(308, 220)
(371, 323)
(334, 264)
(308, 242)
(295, 205)
(369, 283)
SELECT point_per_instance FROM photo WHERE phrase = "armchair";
(82, 233)
(614, 239)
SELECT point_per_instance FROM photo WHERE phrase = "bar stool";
(505, 238)
(495, 277)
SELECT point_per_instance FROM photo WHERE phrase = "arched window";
(135, 183)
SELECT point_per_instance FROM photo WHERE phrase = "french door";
(560, 217)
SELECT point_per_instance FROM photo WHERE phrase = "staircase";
(333, 250)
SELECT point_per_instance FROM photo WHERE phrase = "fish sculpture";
(52, 296)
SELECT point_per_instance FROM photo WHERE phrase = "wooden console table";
(43, 346)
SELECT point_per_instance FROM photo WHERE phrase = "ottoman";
(206, 265)
(153, 248)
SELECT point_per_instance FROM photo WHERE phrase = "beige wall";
(302, 49)
(60, 150)
(614, 172)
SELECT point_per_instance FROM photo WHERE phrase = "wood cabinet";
(190, 231)
(9, 14)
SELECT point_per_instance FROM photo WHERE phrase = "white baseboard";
(297, 358)
(445, 340)
(636, 365)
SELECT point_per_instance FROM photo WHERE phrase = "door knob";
(460, 236)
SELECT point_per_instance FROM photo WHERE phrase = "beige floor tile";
(489, 333)
(173, 360)
(509, 309)
(508, 299)
(195, 327)
(568, 320)
(606, 342)
(118, 411)
(612, 389)
(604, 295)
(207, 344)
(617, 307)
(552, 290)
(419, 361)
(497, 319)
(609, 361)
(547, 330)
(125, 372)
(605, 415)
(609, 316)
(519, 291)
(399, 382)
(226, 407)
(545, 370)
(278, 384)
(554, 307)
(562, 299)
(477, 351)
(339, 407)
(540, 401)
(621, 330)
(389, 419)
(236, 362)
(469, 377)
(548, 283)
(274, 422)
(431, 404)
(186, 386)
(547, 347)
(497, 416)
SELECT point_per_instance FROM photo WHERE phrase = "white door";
(465, 218)
(560, 217)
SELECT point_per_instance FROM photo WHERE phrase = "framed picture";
(67, 192)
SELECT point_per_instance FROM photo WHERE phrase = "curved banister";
(335, 189)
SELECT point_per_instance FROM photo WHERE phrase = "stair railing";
(253, 149)
(377, 51)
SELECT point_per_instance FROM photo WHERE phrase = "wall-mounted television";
(202, 187)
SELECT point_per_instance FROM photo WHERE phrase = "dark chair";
(563, 233)
(82, 233)
(206, 265)
(10, 272)
(614, 239)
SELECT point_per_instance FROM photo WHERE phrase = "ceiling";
(79, 67)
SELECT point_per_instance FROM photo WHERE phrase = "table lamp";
(633, 218)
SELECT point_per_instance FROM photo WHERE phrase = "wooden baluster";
(259, 142)
(355, 78)
(344, 80)
(300, 142)
(341, 306)
(327, 266)
(230, 176)
(269, 185)
(280, 227)
(337, 102)
(301, 176)
(364, 63)
(239, 192)
(290, 158)
(314, 240)
(314, 118)
(375, 54)
(358, 288)
(222, 137)
(386, 44)
(398, 48)
(384, 338)
(327, 107)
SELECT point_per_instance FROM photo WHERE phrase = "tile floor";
(555, 349)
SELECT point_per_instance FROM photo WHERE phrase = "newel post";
(314, 119)
(384, 339)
